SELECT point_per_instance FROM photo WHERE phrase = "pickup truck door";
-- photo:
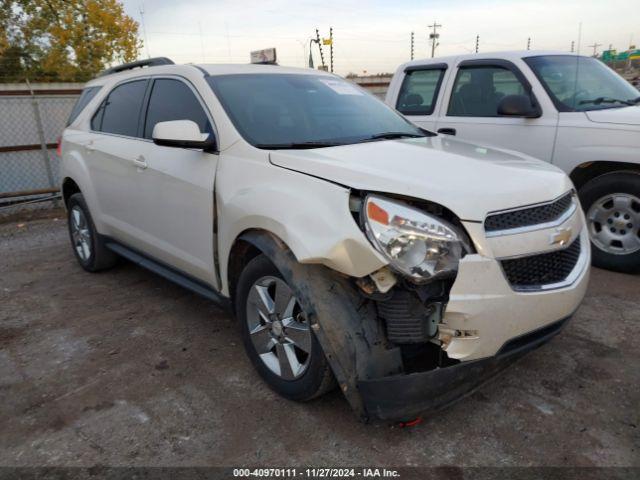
(469, 108)
(419, 93)
(175, 201)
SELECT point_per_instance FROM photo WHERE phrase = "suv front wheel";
(277, 334)
(612, 206)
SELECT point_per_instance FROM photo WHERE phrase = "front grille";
(544, 269)
(528, 216)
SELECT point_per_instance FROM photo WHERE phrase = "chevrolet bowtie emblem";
(561, 237)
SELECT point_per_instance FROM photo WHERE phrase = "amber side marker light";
(377, 213)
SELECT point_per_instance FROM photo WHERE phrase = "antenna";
(144, 29)
(411, 45)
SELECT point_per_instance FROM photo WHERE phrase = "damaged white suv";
(353, 247)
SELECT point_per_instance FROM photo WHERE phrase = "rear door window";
(477, 91)
(85, 97)
(174, 100)
(120, 112)
(419, 92)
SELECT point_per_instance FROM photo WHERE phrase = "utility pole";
(320, 47)
(595, 48)
(529, 43)
(411, 45)
(331, 47)
(573, 44)
(434, 37)
(477, 43)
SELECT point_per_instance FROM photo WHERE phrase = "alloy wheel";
(278, 328)
(80, 234)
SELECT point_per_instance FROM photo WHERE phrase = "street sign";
(266, 56)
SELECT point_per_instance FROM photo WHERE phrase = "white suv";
(569, 110)
(351, 245)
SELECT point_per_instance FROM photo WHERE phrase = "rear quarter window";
(85, 97)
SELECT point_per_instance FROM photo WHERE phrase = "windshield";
(577, 84)
(306, 111)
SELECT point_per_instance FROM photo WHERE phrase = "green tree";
(64, 40)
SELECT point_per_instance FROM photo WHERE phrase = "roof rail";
(150, 62)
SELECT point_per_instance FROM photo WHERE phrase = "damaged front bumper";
(402, 397)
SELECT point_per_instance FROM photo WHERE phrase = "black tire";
(590, 193)
(100, 258)
(317, 379)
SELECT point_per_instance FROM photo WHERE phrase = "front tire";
(277, 334)
(612, 206)
(88, 246)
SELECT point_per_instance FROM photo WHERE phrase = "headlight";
(416, 244)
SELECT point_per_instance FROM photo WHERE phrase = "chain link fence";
(32, 117)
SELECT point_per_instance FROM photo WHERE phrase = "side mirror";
(182, 134)
(518, 106)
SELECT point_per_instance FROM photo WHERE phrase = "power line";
(434, 37)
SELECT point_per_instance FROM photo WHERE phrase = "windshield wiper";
(392, 136)
(599, 100)
(635, 101)
(296, 145)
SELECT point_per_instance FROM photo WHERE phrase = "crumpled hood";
(621, 116)
(468, 179)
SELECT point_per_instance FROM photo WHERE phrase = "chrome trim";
(538, 226)
(571, 278)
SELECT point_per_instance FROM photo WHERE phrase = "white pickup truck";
(566, 109)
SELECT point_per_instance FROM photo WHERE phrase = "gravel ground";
(125, 368)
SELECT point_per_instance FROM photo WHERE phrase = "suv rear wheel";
(612, 205)
(277, 334)
(88, 246)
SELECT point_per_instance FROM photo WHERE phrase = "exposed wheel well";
(590, 170)
(69, 187)
(242, 252)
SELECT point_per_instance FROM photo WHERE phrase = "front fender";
(310, 215)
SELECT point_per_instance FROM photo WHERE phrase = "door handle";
(447, 131)
(140, 162)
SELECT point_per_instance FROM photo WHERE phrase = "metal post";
(320, 47)
(411, 45)
(331, 47)
(43, 143)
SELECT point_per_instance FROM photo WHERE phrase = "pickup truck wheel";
(87, 245)
(277, 335)
(612, 205)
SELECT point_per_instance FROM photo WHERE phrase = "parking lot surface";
(125, 368)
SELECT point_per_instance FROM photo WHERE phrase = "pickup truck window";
(419, 91)
(577, 84)
(478, 90)
(173, 100)
(120, 111)
(305, 111)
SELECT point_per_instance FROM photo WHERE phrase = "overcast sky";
(374, 36)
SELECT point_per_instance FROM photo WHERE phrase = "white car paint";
(566, 139)
(161, 200)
